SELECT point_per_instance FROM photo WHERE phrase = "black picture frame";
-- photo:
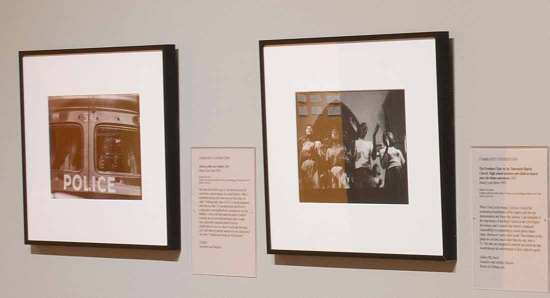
(444, 74)
(171, 142)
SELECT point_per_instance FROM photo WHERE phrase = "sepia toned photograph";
(95, 147)
(352, 146)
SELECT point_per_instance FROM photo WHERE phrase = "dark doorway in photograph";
(95, 147)
(352, 146)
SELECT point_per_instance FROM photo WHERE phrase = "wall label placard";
(510, 196)
(224, 211)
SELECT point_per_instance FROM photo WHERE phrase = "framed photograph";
(101, 146)
(358, 139)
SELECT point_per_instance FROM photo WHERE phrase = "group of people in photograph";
(343, 158)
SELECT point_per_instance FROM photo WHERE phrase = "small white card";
(224, 211)
(510, 195)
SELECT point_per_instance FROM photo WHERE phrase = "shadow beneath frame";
(365, 263)
(112, 253)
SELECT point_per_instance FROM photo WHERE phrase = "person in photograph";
(350, 128)
(374, 180)
(309, 159)
(363, 157)
(71, 159)
(393, 162)
(336, 160)
(110, 157)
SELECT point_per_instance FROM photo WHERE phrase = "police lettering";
(95, 184)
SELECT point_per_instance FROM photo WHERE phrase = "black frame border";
(445, 102)
(171, 142)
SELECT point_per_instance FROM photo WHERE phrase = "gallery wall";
(501, 68)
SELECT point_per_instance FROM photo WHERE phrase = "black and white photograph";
(351, 146)
(100, 147)
(94, 146)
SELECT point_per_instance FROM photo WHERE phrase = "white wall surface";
(501, 66)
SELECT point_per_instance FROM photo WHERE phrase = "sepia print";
(352, 146)
(95, 146)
